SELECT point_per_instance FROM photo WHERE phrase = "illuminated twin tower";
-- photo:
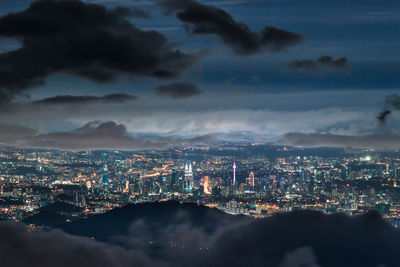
(189, 182)
(188, 176)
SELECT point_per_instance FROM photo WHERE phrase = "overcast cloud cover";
(263, 68)
(93, 135)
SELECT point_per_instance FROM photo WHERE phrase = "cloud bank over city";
(377, 142)
(94, 135)
(181, 68)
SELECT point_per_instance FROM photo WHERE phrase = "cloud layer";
(392, 102)
(178, 90)
(55, 248)
(71, 99)
(373, 141)
(208, 19)
(9, 134)
(94, 135)
(325, 63)
(309, 237)
(139, 13)
(82, 39)
(301, 238)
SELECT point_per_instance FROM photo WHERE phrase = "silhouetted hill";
(155, 216)
(53, 215)
(46, 218)
(173, 234)
(61, 207)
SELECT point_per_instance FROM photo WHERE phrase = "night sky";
(129, 74)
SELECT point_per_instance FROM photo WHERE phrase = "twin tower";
(188, 176)
(189, 182)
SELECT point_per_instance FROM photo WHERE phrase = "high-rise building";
(105, 175)
(234, 174)
(188, 176)
(206, 186)
(127, 186)
(174, 185)
(88, 184)
(251, 180)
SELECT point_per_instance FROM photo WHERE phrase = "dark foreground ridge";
(54, 215)
(103, 227)
(173, 234)
(156, 215)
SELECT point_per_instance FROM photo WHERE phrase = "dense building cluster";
(252, 179)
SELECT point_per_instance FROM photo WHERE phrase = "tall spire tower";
(234, 173)
(105, 175)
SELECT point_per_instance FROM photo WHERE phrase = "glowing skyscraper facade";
(105, 175)
(234, 173)
(188, 176)
(206, 186)
(251, 180)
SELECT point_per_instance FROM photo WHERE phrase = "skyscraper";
(234, 173)
(251, 180)
(127, 186)
(188, 176)
(206, 186)
(105, 176)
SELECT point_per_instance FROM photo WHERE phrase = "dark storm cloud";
(208, 19)
(321, 64)
(301, 257)
(93, 135)
(310, 237)
(183, 238)
(54, 248)
(82, 39)
(139, 13)
(382, 116)
(178, 90)
(71, 99)
(391, 102)
(374, 141)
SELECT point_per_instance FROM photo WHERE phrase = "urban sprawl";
(254, 179)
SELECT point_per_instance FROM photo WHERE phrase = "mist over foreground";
(174, 234)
